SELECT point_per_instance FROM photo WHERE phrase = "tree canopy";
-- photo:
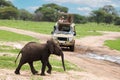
(24, 15)
(50, 11)
(8, 10)
(8, 13)
(4, 3)
(106, 14)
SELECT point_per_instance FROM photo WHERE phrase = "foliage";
(98, 16)
(113, 44)
(110, 13)
(109, 9)
(8, 10)
(8, 13)
(79, 19)
(24, 15)
(10, 36)
(37, 16)
(50, 11)
(4, 3)
(106, 14)
(117, 21)
(108, 18)
(56, 7)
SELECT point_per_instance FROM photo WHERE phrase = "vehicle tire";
(72, 48)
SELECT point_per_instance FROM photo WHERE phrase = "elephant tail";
(17, 57)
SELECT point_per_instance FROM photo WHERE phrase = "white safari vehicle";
(64, 31)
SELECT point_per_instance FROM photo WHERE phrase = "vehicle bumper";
(66, 43)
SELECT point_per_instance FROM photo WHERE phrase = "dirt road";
(93, 69)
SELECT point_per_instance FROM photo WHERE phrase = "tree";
(79, 19)
(106, 14)
(117, 21)
(8, 13)
(110, 13)
(109, 9)
(8, 10)
(98, 16)
(108, 18)
(50, 11)
(4, 3)
(25, 15)
(37, 16)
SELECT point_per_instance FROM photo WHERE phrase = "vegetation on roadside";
(47, 27)
(10, 36)
(8, 49)
(113, 44)
(41, 27)
(7, 62)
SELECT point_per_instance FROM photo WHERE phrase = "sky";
(83, 7)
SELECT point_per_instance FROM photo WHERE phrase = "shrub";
(117, 21)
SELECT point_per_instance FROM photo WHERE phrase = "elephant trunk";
(62, 57)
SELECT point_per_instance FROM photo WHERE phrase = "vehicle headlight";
(70, 38)
(54, 37)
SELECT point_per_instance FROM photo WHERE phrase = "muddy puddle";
(115, 59)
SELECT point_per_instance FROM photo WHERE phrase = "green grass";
(8, 49)
(10, 36)
(46, 27)
(41, 27)
(97, 27)
(93, 28)
(7, 62)
(113, 44)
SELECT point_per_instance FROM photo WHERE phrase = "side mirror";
(52, 32)
(74, 33)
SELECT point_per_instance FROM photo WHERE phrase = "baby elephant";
(33, 51)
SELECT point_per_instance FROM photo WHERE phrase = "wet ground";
(114, 59)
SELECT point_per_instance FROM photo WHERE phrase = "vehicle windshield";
(64, 28)
(62, 32)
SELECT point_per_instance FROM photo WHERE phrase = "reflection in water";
(115, 59)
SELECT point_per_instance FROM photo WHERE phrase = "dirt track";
(93, 69)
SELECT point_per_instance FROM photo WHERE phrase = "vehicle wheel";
(72, 48)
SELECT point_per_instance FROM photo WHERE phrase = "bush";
(117, 21)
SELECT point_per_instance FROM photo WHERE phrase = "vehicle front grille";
(62, 38)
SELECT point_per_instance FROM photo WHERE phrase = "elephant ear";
(50, 46)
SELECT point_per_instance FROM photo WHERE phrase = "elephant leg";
(49, 68)
(44, 63)
(17, 71)
(32, 68)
